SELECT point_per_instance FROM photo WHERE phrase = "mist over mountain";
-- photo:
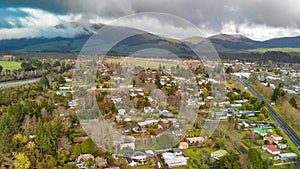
(142, 40)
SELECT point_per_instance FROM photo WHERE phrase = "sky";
(256, 19)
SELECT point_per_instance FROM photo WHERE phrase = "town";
(150, 113)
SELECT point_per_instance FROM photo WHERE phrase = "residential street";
(278, 120)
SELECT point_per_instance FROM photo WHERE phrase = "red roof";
(271, 148)
(270, 139)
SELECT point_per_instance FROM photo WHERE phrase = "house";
(282, 146)
(176, 151)
(150, 153)
(220, 115)
(272, 149)
(260, 131)
(81, 160)
(219, 154)
(288, 156)
(136, 157)
(61, 92)
(166, 113)
(195, 140)
(271, 140)
(171, 160)
(277, 137)
(129, 128)
(127, 145)
(79, 139)
(183, 145)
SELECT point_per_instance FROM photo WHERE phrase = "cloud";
(258, 19)
(37, 23)
(258, 31)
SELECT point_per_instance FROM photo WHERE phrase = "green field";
(10, 65)
(288, 50)
(145, 63)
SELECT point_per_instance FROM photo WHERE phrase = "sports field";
(10, 65)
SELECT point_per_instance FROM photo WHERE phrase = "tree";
(230, 162)
(157, 81)
(255, 159)
(88, 146)
(293, 102)
(264, 110)
(8, 128)
(21, 161)
(77, 149)
(278, 92)
(61, 79)
(261, 116)
(44, 81)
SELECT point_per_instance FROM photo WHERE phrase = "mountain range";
(142, 40)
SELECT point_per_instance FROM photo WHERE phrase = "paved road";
(278, 120)
(15, 82)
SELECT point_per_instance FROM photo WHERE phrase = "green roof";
(220, 153)
(261, 131)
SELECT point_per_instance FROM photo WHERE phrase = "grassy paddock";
(146, 63)
(263, 50)
(10, 65)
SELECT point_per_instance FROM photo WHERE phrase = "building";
(127, 145)
(183, 145)
(79, 140)
(272, 149)
(136, 157)
(270, 139)
(134, 128)
(176, 151)
(195, 140)
(288, 156)
(260, 131)
(282, 146)
(277, 137)
(81, 160)
(219, 154)
(171, 160)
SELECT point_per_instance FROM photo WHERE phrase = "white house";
(194, 140)
(172, 160)
(137, 157)
(288, 156)
(277, 137)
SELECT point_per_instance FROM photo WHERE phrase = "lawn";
(10, 65)
(196, 155)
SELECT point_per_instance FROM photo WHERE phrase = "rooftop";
(220, 153)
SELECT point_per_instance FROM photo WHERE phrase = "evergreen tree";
(44, 81)
(88, 146)
(157, 81)
(255, 159)
(61, 79)
(8, 128)
(293, 102)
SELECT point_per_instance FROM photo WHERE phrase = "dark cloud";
(253, 18)
(214, 13)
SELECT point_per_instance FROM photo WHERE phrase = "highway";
(278, 120)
